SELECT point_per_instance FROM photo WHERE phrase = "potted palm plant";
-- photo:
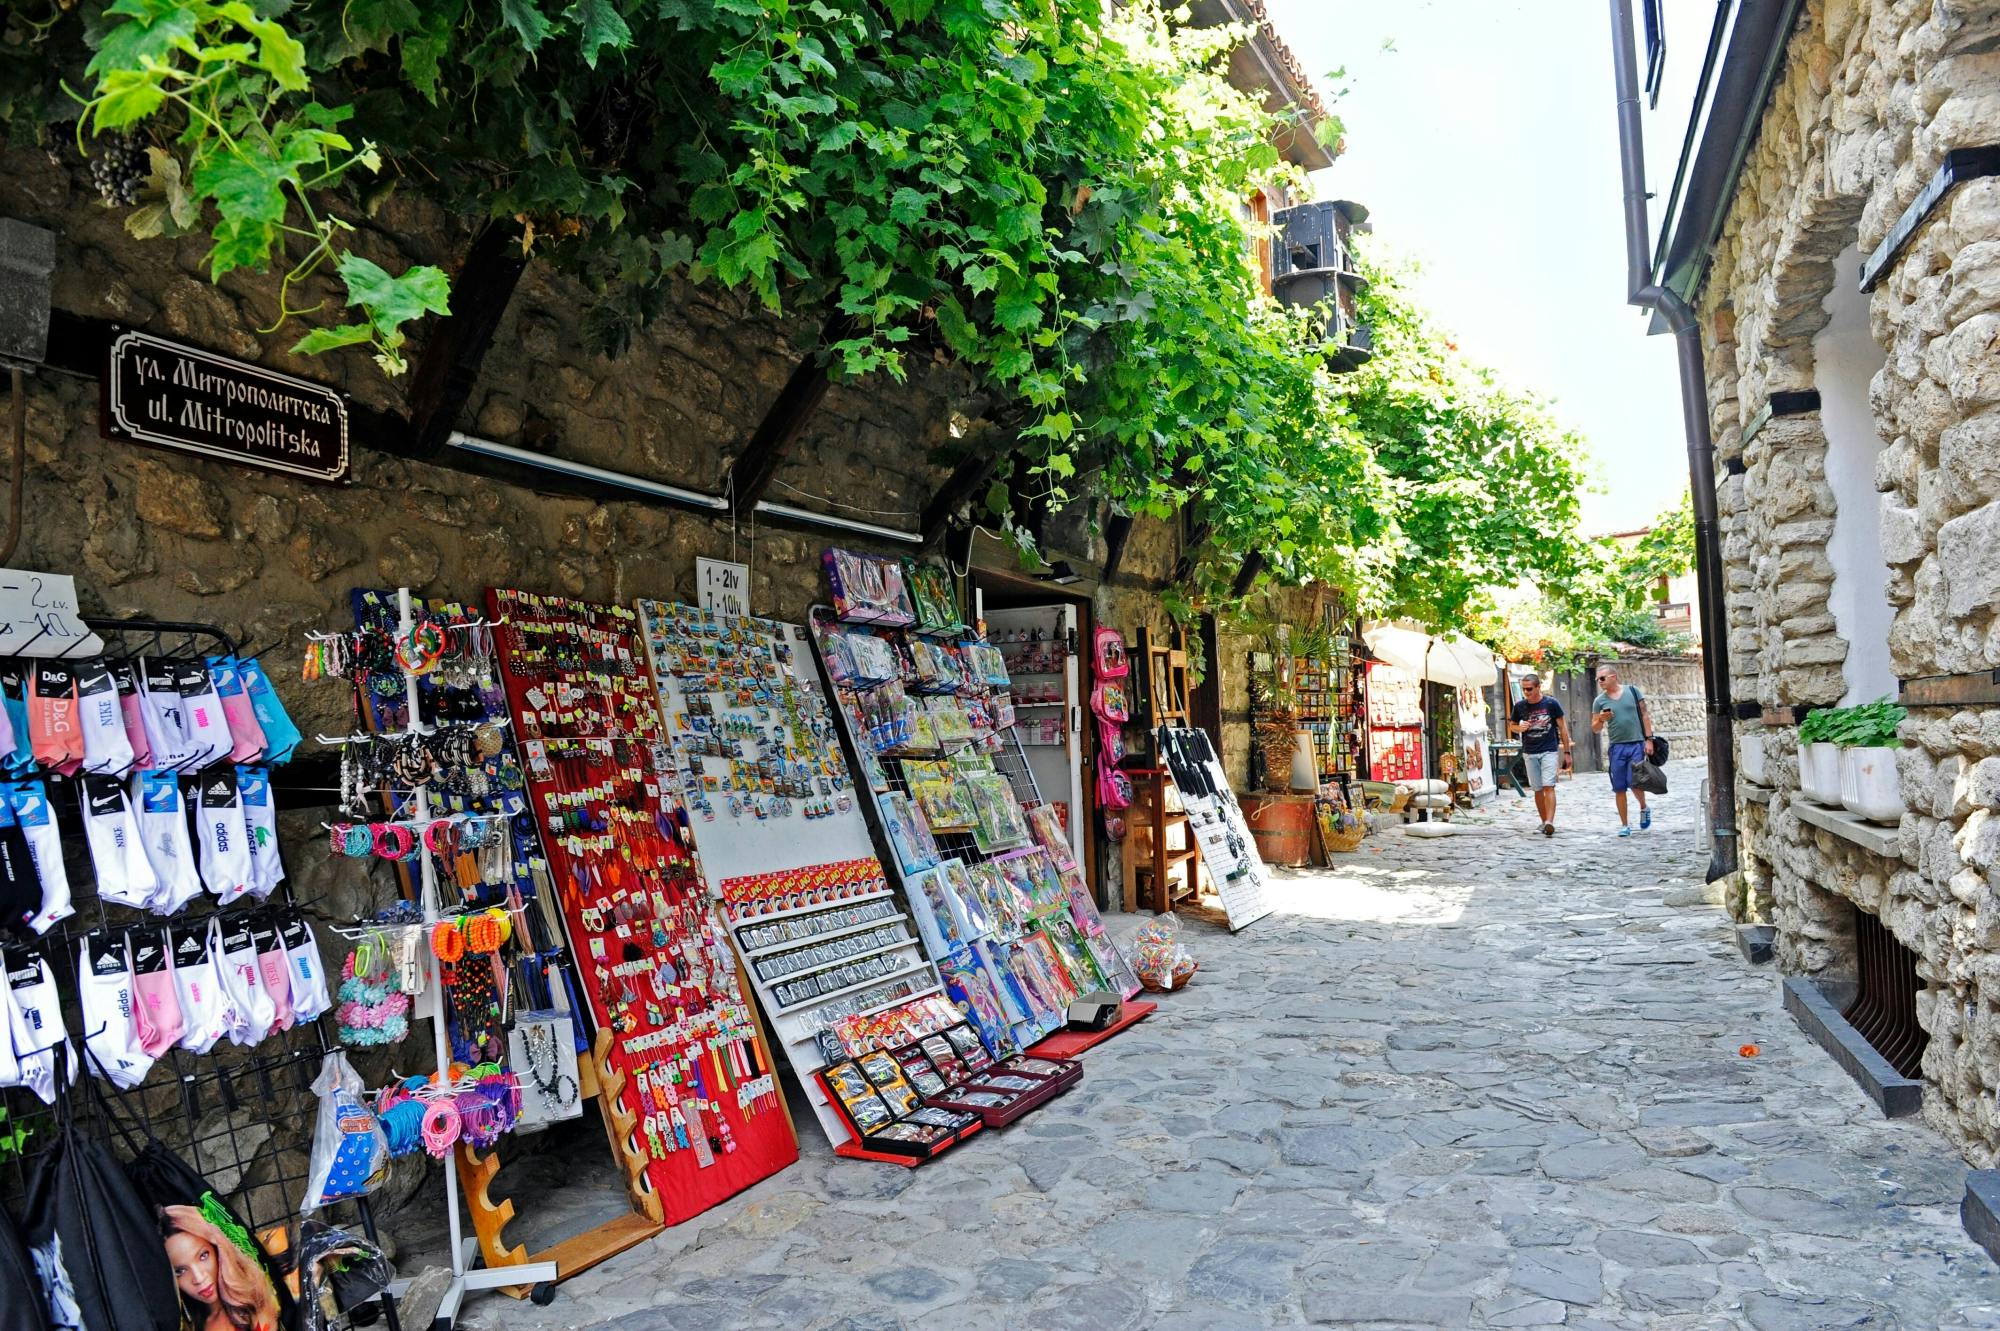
(1819, 759)
(1866, 737)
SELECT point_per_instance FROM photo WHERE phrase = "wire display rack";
(242, 1117)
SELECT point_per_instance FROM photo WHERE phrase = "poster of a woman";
(221, 1287)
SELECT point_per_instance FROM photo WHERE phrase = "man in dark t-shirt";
(1538, 719)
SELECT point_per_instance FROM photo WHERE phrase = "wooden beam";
(1246, 577)
(1184, 566)
(1117, 531)
(443, 380)
(966, 480)
(793, 409)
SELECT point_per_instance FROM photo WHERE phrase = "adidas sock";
(124, 874)
(29, 803)
(104, 992)
(205, 1011)
(159, 1007)
(225, 849)
(105, 746)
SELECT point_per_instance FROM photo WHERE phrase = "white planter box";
(1819, 773)
(1750, 759)
(1868, 786)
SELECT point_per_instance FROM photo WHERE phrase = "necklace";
(550, 1086)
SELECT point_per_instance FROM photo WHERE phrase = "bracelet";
(440, 838)
(486, 932)
(397, 837)
(441, 1127)
(447, 941)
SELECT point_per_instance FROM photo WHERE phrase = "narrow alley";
(1483, 1081)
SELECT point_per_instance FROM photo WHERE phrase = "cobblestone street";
(1483, 1081)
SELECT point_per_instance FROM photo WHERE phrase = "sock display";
(225, 849)
(275, 970)
(163, 830)
(158, 1008)
(29, 803)
(124, 874)
(308, 975)
(106, 749)
(237, 711)
(201, 710)
(280, 734)
(132, 712)
(205, 1013)
(251, 1010)
(52, 724)
(37, 1022)
(104, 990)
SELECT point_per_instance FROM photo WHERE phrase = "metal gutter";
(1736, 91)
(1673, 308)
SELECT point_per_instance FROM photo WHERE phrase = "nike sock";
(104, 993)
(132, 713)
(124, 874)
(225, 848)
(29, 803)
(309, 996)
(207, 727)
(37, 1021)
(163, 830)
(52, 718)
(102, 720)
(205, 1010)
(235, 953)
(279, 731)
(159, 1007)
(260, 822)
(274, 969)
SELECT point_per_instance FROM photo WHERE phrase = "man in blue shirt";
(1538, 719)
(1620, 711)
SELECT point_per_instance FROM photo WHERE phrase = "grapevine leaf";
(393, 301)
(151, 31)
(326, 339)
(527, 22)
(598, 25)
(279, 54)
(125, 97)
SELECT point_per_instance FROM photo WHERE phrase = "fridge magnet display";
(695, 1093)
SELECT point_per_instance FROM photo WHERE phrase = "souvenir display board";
(177, 959)
(754, 759)
(698, 1088)
(1395, 724)
(1475, 762)
(986, 866)
(1234, 868)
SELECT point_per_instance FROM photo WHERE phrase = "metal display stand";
(231, 1100)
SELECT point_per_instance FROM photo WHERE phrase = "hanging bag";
(350, 1152)
(94, 1240)
(21, 1304)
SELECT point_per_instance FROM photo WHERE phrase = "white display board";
(1228, 852)
(779, 829)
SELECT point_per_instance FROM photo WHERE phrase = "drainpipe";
(1680, 320)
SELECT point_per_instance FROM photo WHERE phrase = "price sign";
(38, 616)
(724, 587)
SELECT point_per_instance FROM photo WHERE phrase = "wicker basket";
(1333, 838)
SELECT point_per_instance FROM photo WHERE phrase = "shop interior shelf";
(767, 916)
(789, 976)
(818, 999)
(812, 939)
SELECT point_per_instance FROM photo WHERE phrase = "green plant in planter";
(1813, 730)
(1869, 726)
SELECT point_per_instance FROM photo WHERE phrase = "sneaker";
(1625, 830)
(1645, 819)
(1548, 829)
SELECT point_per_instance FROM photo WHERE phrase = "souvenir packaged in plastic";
(908, 832)
(868, 589)
(930, 592)
(1001, 825)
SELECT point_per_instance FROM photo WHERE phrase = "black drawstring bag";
(21, 1305)
(94, 1240)
(163, 1179)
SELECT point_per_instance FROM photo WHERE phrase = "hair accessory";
(393, 841)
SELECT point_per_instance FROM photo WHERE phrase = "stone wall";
(1873, 93)
(1672, 686)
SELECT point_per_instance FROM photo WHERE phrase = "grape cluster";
(119, 167)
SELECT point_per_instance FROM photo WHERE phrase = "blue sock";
(282, 735)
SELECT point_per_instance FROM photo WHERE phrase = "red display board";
(655, 965)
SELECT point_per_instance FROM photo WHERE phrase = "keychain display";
(654, 961)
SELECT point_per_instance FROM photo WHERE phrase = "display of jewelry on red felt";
(655, 967)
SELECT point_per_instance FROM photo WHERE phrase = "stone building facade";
(1850, 310)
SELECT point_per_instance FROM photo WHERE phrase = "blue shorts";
(1622, 758)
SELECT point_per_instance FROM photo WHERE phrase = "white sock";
(235, 952)
(274, 969)
(160, 712)
(225, 838)
(163, 830)
(124, 874)
(10, 1066)
(110, 1030)
(309, 996)
(106, 748)
(30, 803)
(205, 1011)
(37, 1021)
(260, 822)
(207, 725)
